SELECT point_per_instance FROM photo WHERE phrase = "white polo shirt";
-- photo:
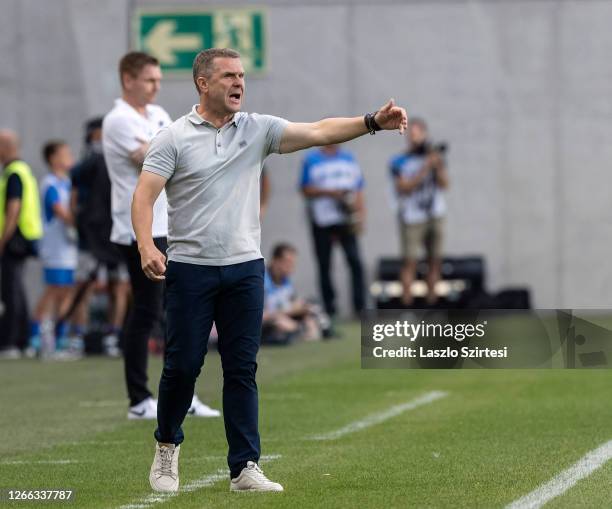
(123, 131)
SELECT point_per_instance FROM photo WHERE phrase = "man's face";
(417, 134)
(62, 160)
(143, 88)
(9, 146)
(96, 135)
(225, 87)
(284, 265)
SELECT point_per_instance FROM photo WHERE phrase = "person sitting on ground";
(286, 317)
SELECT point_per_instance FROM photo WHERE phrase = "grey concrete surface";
(520, 89)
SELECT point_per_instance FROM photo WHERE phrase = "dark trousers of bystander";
(232, 297)
(324, 239)
(14, 325)
(145, 311)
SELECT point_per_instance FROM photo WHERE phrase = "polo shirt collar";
(197, 119)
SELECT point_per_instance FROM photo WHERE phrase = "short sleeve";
(275, 126)
(51, 198)
(395, 167)
(161, 157)
(14, 188)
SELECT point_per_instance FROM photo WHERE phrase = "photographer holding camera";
(420, 177)
(332, 184)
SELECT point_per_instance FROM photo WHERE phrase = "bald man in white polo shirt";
(126, 132)
(209, 161)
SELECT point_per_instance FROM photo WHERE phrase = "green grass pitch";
(495, 437)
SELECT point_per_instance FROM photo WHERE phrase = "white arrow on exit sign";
(163, 43)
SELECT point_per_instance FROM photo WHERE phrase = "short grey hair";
(203, 62)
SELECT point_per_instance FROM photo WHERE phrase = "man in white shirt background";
(126, 133)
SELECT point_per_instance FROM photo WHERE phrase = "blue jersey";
(336, 172)
(58, 249)
(277, 297)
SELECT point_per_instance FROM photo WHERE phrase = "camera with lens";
(348, 207)
(439, 147)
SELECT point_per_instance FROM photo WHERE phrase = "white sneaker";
(10, 353)
(164, 470)
(199, 409)
(253, 479)
(146, 409)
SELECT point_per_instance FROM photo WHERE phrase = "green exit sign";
(176, 37)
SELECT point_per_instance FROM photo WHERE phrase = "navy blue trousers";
(232, 296)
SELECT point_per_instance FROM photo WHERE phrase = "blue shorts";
(59, 277)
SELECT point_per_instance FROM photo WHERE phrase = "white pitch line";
(373, 419)
(562, 482)
(204, 482)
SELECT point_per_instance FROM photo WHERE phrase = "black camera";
(440, 147)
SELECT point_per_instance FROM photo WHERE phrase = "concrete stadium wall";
(520, 89)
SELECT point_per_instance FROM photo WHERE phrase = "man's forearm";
(298, 136)
(142, 219)
(9, 230)
(360, 205)
(147, 190)
(138, 156)
(339, 130)
(317, 192)
(442, 177)
(65, 215)
(407, 185)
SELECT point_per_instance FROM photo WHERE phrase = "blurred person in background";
(58, 252)
(81, 187)
(126, 133)
(101, 263)
(20, 228)
(332, 183)
(420, 178)
(286, 317)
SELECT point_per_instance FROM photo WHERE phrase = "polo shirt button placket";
(219, 149)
